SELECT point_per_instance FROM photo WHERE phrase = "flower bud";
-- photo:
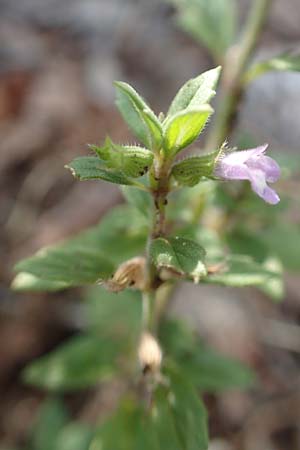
(149, 353)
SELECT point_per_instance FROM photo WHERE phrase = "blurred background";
(58, 59)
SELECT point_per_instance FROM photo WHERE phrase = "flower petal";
(242, 156)
(267, 165)
(232, 172)
(258, 150)
(271, 196)
(260, 187)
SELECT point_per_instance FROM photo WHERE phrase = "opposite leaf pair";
(165, 137)
(162, 137)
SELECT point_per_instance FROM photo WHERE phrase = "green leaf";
(196, 92)
(189, 413)
(139, 117)
(207, 238)
(91, 255)
(182, 255)
(157, 428)
(163, 254)
(285, 62)
(139, 199)
(120, 235)
(163, 421)
(190, 171)
(201, 366)
(81, 362)
(112, 314)
(24, 281)
(69, 265)
(92, 168)
(184, 127)
(126, 429)
(186, 206)
(51, 419)
(242, 271)
(212, 372)
(132, 160)
(274, 287)
(246, 242)
(283, 239)
(74, 436)
(212, 23)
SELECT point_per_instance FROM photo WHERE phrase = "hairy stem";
(159, 188)
(235, 63)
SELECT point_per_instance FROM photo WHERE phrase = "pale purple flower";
(252, 165)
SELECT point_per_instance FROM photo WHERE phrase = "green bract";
(191, 170)
(132, 160)
(92, 168)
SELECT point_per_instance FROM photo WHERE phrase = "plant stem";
(235, 63)
(159, 187)
(148, 320)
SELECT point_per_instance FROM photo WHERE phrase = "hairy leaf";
(138, 115)
(182, 255)
(184, 127)
(92, 168)
(90, 256)
(196, 92)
